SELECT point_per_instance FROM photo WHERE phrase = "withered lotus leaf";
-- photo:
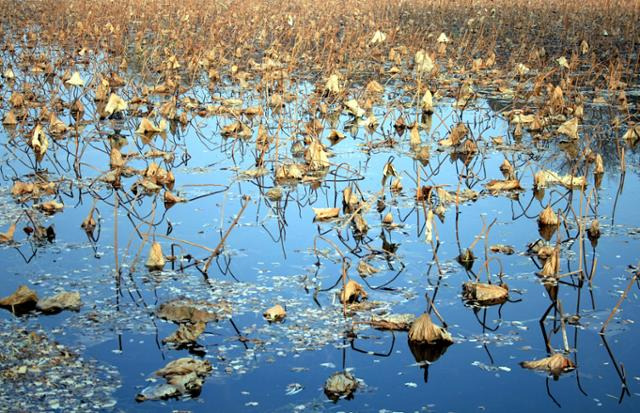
(548, 217)
(423, 330)
(555, 364)
(569, 128)
(6, 237)
(64, 300)
(156, 260)
(503, 185)
(352, 292)
(394, 322)
(365, 269)
(10, 118)
(341, 384)
(275, 313)
(484, 294)
(75, 80)
(21, 301)
(323, 214)
(115, 104)
(186, 333)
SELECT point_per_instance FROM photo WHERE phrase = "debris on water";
(36, 373)
(293, 388)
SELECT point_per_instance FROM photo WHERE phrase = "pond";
(182, 220)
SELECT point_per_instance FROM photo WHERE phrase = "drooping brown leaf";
(423, 330)
(548, 217)
(115, 104)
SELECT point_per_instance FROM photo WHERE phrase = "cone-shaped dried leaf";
(374, 87)
(569, 128)
(423, 330)
(39, 142)
(378, 37)
(147, 127)
(354, 108)
(10, 118)
(275, 313)
(115, 104)
(632, 135)
(316, 156)
(427, 102)
(156, 260)
(548, 217)
(333, 84)
(75, 80)
(551, 265)
(6, 237)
